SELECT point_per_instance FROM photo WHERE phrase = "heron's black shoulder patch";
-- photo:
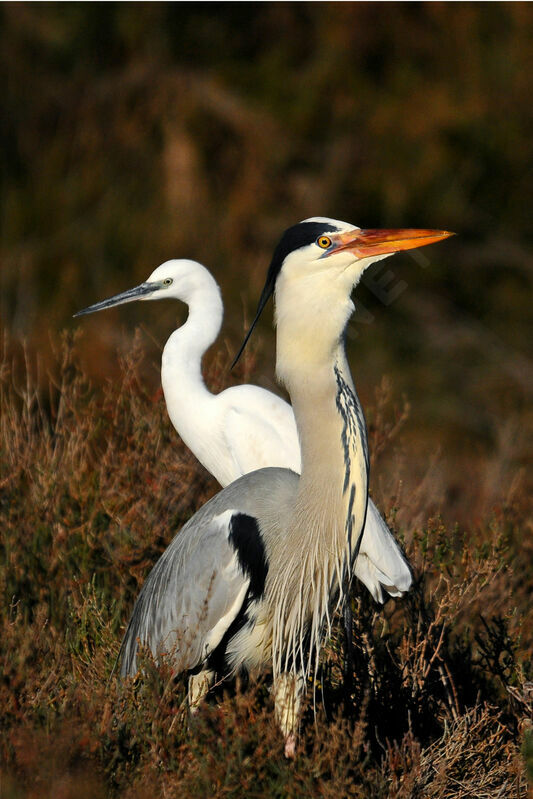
(246, 540)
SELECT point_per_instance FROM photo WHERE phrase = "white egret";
(246, 427)
(250, 580)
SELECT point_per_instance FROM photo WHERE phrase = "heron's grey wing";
(193, 594)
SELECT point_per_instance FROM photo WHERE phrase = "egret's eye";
(167, 281)
(324, 242)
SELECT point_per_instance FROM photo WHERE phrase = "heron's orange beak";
(366, 243)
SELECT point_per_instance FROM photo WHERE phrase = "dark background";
(131, 134)
(135, 133)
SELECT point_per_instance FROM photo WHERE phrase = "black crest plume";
(294, 237)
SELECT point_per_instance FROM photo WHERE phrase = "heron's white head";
(179, 279)
(317, 263)
(319, 253)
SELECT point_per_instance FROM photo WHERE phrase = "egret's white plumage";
(251, 578)
(243, 428)
(238, 430)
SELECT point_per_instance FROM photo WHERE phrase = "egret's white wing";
(381, 563)
(261, 433)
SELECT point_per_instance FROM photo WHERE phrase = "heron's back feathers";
(212, 571)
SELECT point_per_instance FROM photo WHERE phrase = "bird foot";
(290, 746)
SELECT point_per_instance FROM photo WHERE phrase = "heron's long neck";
(330, 506)
(333, 486)
(181, 367)
(332, 433)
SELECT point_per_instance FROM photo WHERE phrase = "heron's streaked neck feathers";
(330, 506)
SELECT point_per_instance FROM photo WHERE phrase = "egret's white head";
(178, 279)
(320, 260)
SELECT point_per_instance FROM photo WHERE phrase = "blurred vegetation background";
(132, 133)
(135, 133)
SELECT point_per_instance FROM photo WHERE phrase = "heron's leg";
(288, 691)
(348, 646)
(199, 685)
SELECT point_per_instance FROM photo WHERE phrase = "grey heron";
(243, 428)
(250, 581)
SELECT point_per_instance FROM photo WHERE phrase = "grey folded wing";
(192, 595)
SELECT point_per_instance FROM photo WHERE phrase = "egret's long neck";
(330, 507)
(181, 367)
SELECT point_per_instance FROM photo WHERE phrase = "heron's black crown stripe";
(247, 542)
(294, 237)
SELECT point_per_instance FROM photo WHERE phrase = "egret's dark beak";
(367, 243)
(131, 295)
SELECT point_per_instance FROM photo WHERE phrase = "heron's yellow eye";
(324, 242)
(167, 281)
